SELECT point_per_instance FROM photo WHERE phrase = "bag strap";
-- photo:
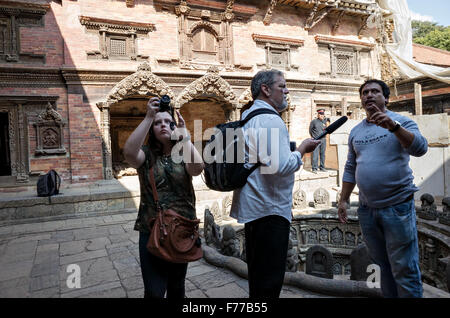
(159, 210)
(256, 113)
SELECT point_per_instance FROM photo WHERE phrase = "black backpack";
(228, 176)
(48, 184)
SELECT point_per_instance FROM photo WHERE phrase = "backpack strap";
(256, 113)
(250, 116)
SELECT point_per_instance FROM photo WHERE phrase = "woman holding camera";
(174, 187)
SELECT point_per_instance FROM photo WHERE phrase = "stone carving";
(337, 269)
(360, 240)
(211, 230)
(216, 212)
(321, 198)
(323, 236)
(211, 84)
(292, 253)
(428, 209)
(49, 132)
(347, 269)
(319, 262)
(143, 83)
(350, 239)
(311, 237)
(299, 200)
(359, 261)
(445, 215)
(226, 206)
(337, 237)
(245, 98)
(230, 244)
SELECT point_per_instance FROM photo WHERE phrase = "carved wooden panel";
(49, 133)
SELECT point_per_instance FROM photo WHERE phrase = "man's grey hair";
(263, 77)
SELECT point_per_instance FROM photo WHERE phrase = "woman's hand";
(152, 107)
(182, 126)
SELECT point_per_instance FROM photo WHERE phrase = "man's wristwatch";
(396, 127)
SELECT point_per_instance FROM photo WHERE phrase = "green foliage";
(431, 34)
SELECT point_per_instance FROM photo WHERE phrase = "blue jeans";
(391, 237)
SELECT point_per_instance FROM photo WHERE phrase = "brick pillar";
(86, 162)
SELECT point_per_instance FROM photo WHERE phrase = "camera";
(164, 103)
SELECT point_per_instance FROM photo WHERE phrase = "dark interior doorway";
(5, 159)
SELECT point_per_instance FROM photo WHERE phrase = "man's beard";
(281, 107)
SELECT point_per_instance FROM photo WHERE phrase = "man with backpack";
(264, 202)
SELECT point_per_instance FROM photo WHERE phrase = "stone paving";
(35, 258)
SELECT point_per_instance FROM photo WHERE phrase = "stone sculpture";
(319, 262)
(359, 261)
(299, 200)
(230, 244)
(292, 253)
(321, 199)
(211, 230)
(428, 208)
(444, 218)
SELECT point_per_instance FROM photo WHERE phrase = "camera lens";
(164, 103)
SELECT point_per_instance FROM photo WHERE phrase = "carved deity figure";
(211, 230)
(230, 244)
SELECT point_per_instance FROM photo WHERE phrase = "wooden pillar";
(418, 98)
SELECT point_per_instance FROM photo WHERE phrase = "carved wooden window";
(204, 45)
(117, 39)
(278, 58)
(344, 64)
(11, 19)
(118, 46)
(278, 51)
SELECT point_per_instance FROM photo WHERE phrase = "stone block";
(132, 203)
(231, 290)
(97, 243)
(82, 257)
(91, 206)
(33, 211)
(63, 208)
(72, 247)
(83, 292)
(133, 283)
(7, 213)
(44, 282)
(115, 204)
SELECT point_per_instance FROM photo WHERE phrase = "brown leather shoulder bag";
(173, 237)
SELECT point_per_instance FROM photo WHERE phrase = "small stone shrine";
(319, 262)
